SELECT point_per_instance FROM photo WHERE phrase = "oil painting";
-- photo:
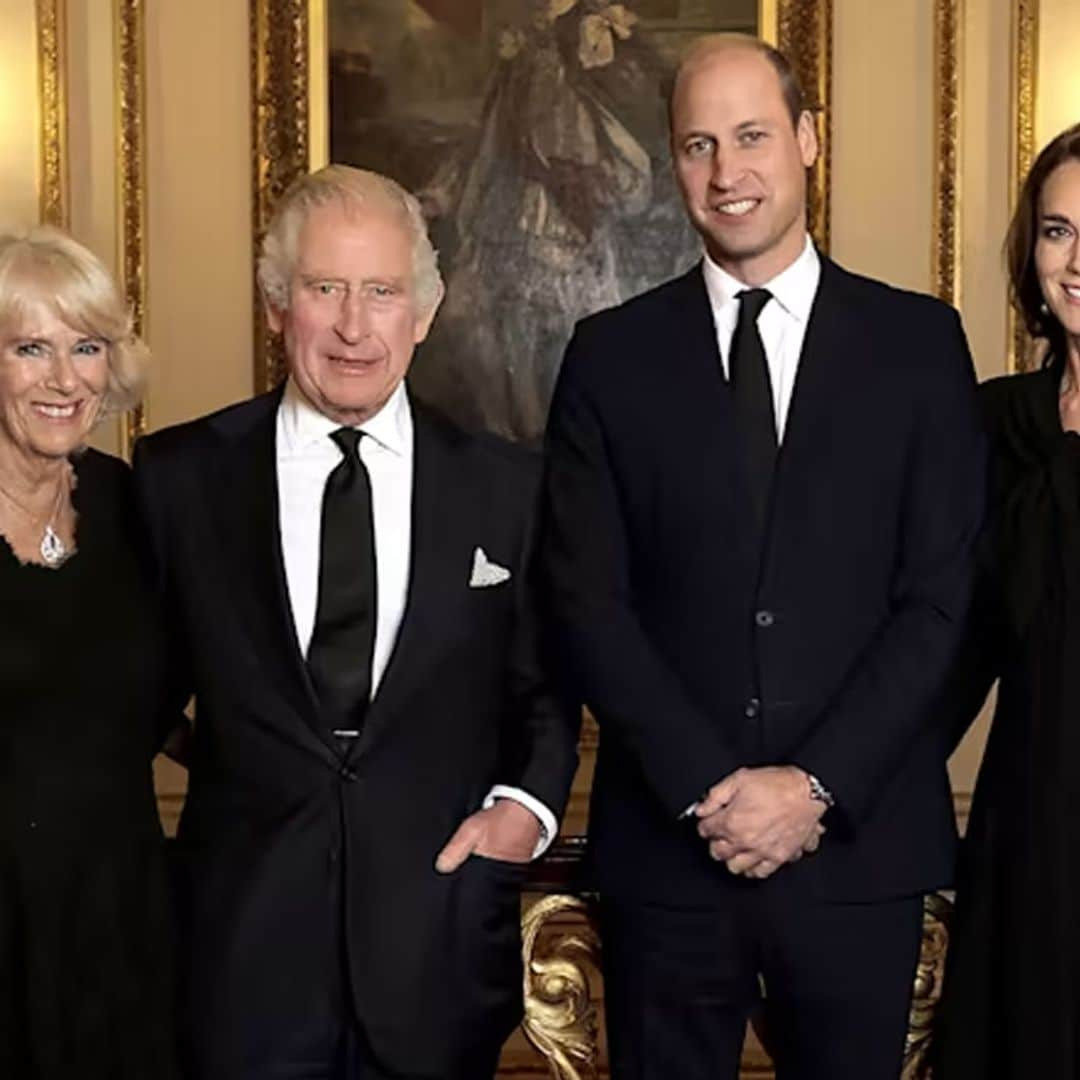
(534, 133)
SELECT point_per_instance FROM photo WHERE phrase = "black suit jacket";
(698, 651)
(278, 825)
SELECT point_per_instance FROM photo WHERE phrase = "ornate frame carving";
(560, 1016)
(280, 104)
(1025, 41)
(804, 33)
(52, 92)
(929, 979)
(130, 38)
(285, 116)
(948, 45)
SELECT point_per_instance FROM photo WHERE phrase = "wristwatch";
(819, 792)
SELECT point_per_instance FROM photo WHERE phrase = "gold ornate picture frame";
(289, 109)
(1025, 59)
(948, 45)
(52, 93)
(129, 25)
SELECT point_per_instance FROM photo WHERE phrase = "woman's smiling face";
(53, 378)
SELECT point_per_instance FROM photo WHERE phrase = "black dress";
(84, 972)
(1012, 994)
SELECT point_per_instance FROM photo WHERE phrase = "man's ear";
(806, 135)
(275, 316)
(424, 319)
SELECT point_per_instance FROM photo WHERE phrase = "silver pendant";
(52, 547)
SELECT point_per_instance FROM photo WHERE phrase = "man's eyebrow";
(398, 280)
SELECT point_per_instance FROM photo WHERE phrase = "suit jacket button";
(753, 709)
(347, 774)
(764, 619)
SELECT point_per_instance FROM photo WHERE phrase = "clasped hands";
(757, 820)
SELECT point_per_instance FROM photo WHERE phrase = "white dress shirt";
(306, 455)
(781, 324)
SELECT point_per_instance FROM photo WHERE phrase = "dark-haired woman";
(1012, 995)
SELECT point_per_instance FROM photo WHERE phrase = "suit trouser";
(328, 1044)
(321, 1039)
(347, 1056)
(837, 979)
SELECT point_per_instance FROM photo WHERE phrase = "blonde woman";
(83, 972)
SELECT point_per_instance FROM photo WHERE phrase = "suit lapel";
(697, 339)
(441, 524)
(246, 498)
(834, 340)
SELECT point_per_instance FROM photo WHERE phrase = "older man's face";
(352, 322)
(740, 162)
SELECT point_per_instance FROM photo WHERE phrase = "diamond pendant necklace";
(53, 550)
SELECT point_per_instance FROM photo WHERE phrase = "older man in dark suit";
(377, 753)
(765, 481)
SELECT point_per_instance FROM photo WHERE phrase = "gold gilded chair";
(561, 952)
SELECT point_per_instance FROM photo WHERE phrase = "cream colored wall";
(199, 207)
(18, 115)
(199, 303)
(1058, 104)
(882, 156)
(984, 182)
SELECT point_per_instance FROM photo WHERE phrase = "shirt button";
(753, 709)
(764, 619)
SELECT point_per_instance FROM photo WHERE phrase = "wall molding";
(805, 35)
(948, 51)
(1025, 74)
(129, 27)
(280, 90)
(52, 94)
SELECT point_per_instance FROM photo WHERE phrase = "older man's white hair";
(348, 187)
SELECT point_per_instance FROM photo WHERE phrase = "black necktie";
(339, 657)
(751, 391)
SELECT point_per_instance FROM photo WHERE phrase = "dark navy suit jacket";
(698, 649)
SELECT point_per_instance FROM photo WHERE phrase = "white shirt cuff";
(549, 827)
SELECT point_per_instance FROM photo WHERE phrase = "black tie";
(751, 391)
(339, 657)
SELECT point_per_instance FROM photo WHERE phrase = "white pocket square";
(485, 572)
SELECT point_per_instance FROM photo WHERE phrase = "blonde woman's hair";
(43, 265)
(350, 188)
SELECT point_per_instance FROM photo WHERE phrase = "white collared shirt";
(306, 455)
(781, 324)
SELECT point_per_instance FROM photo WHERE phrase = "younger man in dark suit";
(377, 753)
(765, 479)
